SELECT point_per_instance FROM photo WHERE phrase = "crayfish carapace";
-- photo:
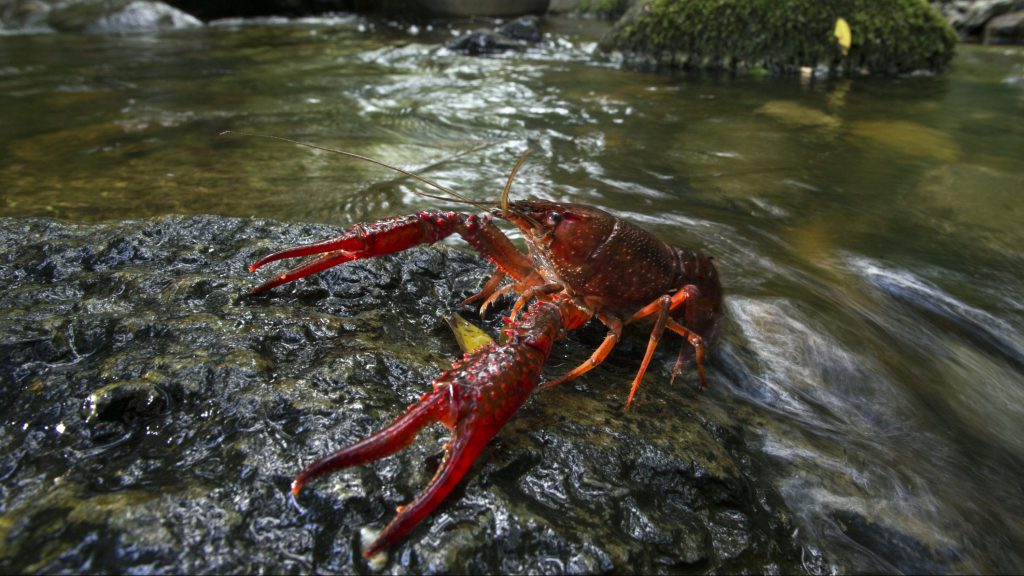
(582, 263)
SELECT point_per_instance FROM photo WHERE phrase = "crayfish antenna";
(508, 183)
(453, 196)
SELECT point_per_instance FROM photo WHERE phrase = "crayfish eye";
(554, 218)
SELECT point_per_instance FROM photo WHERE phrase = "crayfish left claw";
(363, 241)
(322, 263)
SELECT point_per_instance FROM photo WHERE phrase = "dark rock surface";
(980, 13)
(1006, 29)
(515, 35)
(153, 418)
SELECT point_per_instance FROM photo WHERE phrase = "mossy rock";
(888, 36)
(605, 9)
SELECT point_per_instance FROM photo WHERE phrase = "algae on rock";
(888, 36)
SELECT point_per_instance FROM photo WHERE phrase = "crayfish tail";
(382, 443)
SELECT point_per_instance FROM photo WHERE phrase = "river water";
(868, 231)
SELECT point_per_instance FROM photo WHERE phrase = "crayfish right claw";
(433, 407)
(382, 443)
(474, 399)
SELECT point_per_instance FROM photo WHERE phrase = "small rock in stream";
(515, 35)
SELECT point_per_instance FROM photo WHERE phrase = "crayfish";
(582, 263)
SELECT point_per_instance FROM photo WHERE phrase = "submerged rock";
(798, 115)
(890, 37)
(155, 416)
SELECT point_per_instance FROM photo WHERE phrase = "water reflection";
(868, 232)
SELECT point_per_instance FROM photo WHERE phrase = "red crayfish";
(582, 263)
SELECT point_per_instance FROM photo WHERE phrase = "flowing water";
(869, 231)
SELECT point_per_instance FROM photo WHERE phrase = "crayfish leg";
(488, 289)
(652, 344)
(679, 298)
(698, 347)
(614, 335)
(534, 292)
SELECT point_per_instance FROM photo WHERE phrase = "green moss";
(889, 36)
(610, 9)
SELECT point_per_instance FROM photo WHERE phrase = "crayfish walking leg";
(474, 399)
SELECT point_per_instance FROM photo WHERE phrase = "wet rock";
(911, 555)
(155, 416)
(1006, 29)
(525, 29)
(24, 14)
(798, 115)
(515, 35)
(981, 12)
(118, 16)
(955, 11)
(125, 401)
(905, 137)
(483, 42)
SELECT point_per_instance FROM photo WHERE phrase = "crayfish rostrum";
(582, 263)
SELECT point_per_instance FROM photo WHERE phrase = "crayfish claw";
(456, 462)
(474, 399)
(382, 443)
(312, 267)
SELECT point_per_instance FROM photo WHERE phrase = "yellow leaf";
(843, 34)
(467, 335)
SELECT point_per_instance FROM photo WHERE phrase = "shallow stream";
(868, 231)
